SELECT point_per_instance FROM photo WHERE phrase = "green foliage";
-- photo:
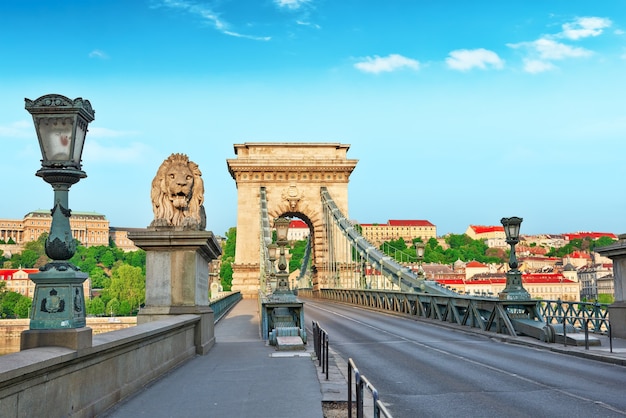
(606, 298)
(95, 307)
(231, 243)
(297, 251)
(460, 247)
(128, 284)
(226, 276)
(99, 279)
(10, 241)
(25, 259)
(228, 258)
(13, 304)
(22, 307)
(113, 307)
(586, 244)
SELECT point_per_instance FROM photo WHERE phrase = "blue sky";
(458, 112)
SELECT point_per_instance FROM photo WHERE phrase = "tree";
(95, 306)
(228, 257)
(128, 284)
(297, 251)
(22, 307)
(226, 276)
(99, 279)
(8, 302)
(113, 307)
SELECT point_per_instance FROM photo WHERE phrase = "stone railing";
(60, 382)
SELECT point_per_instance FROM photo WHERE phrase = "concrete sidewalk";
(241, 376)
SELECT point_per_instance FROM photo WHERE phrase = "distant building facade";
(90, 228)
(546, 286)
(298, 230)
(408, 230)
(494, 234)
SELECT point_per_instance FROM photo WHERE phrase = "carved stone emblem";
(178, 194)
(53, 303)
(292, 195)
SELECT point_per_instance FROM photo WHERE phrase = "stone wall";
(60, 382)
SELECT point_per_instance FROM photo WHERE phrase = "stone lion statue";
(178, 194)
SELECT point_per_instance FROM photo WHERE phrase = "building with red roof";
(547, 286)
(485, 232)
(590, 235)
(298, 230)
(395, 229)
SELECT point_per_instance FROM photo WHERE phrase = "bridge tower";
(292, 175)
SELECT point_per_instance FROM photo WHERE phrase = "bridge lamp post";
(61, 125)
(419, 252)
(514, 289)
(282, 227)
(271, 252)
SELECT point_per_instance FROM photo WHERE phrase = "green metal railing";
(223, 304)
(594, 316)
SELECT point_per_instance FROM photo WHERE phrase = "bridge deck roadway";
(244, 377)
(241, 376)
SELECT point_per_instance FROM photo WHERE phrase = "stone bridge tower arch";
(292, 175)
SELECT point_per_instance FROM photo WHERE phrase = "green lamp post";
(514, 288)
(419, 253)
(61, 125)
(282, 228)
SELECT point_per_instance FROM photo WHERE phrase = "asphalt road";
(421, 369)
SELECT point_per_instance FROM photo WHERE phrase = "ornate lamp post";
(514, 289)
(271, 253)
(61, 125)
(419, 252)
(282, 227)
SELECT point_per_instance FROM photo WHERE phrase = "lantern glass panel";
(271, 249)
(56, 138)
(81, 132)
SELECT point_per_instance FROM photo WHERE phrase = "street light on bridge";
(59, 300)
(271, 253)
(282, 228)
(514, 289)
(419, 252)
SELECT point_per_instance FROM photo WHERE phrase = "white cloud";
(291, 4)
(548, 49)
(312, 25)
(209, 15)
(537, 66)
(584, 27)
(544, 50)
(466, 59)
(96, 53)
(389, 63)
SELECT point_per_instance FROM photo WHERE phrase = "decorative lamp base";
(59, 299)
(514, 289)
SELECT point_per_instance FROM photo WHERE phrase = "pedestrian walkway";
(241, 376)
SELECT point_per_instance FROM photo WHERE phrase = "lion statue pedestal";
(178, 250)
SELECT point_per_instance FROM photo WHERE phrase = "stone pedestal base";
(205, 331)
(246, 280)
(617, 316)
(177, 278)
(73, 338)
